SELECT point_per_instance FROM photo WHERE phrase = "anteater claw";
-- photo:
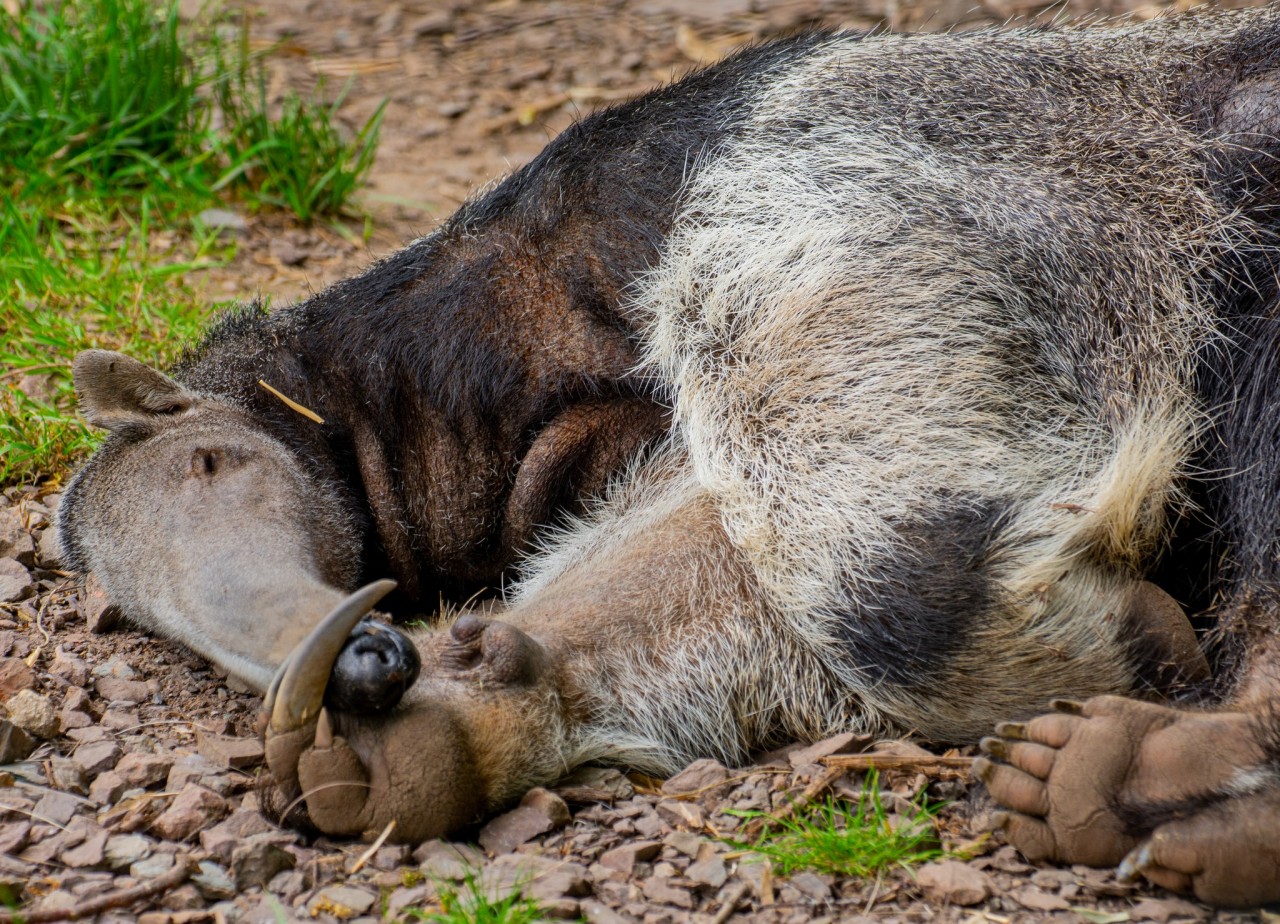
(1015, 731)
(995, 747)
(296, 693)
(1136, 862)
(324, 731)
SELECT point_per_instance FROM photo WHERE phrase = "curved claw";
(296, 693)
(1015, 731)
(1067, 706)
(1135, 862)
(995, 747)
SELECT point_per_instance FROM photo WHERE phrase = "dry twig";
(373, 848)
(182, 868)
(811, 792)
(896, 762)
(731, 903)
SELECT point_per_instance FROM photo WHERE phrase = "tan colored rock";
(16, 582)
(951, 882)
(144, 770)
(33, 713)
(229, 752)
(624, 858)
(15, 676)
(194, 809)
(699, 776)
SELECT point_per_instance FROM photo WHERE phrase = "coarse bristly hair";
(929, 322)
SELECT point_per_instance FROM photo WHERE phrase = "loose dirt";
(145, 774)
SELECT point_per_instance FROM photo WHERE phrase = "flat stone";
(846, 743)
(123, 850)
(699, 776)
(659, 889)
(256, 862)
(342, 901)
(228, 752)
(67, 774)
(686, 842)
(107, 787)
(100, 614)
(57, 900)
(404, 897)
(149, 867)
(89, 853)
(16, 582)
(33, 713)
(193, 809)
(539, 811)
(95, 733)
(811, 884)
(213, 882)
(119, 690)
(391, 857)
(710, 872)
(13, 837)
(188, 898)
(625, 857)
(1161, 910)
(145, 770)
(443, 860)
(222, 839)
(222, 220)
(49, 549)
(122, 720)
(597, 912)
(1039, 900)
(15, 676)
(675, 812)
(595, 784)
(955, 883)
(70, 719)
(97, 757)
(73, 670)
(189, 768)
(58, 807)
(15, 744)
(14, 538)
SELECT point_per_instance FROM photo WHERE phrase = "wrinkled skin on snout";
(228, 542)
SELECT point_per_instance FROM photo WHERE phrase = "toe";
(1053, 729)
(1035, 759)
(1226, 854)
(335, 786)
(1032, 837)
(1141, 861)
(1013, 788)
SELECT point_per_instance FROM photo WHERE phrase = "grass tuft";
(849, 839)
(107, 147)
(471, 902)
(97, 97)
(299, 160)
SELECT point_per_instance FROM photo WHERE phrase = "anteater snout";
(375, 668)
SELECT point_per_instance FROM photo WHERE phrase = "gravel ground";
(127, 763)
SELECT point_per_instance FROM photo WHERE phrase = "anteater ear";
(118, 391)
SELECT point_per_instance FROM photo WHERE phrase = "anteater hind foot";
(1117, 781)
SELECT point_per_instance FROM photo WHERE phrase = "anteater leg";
(1190, 800)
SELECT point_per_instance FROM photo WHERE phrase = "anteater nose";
(375, 668)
